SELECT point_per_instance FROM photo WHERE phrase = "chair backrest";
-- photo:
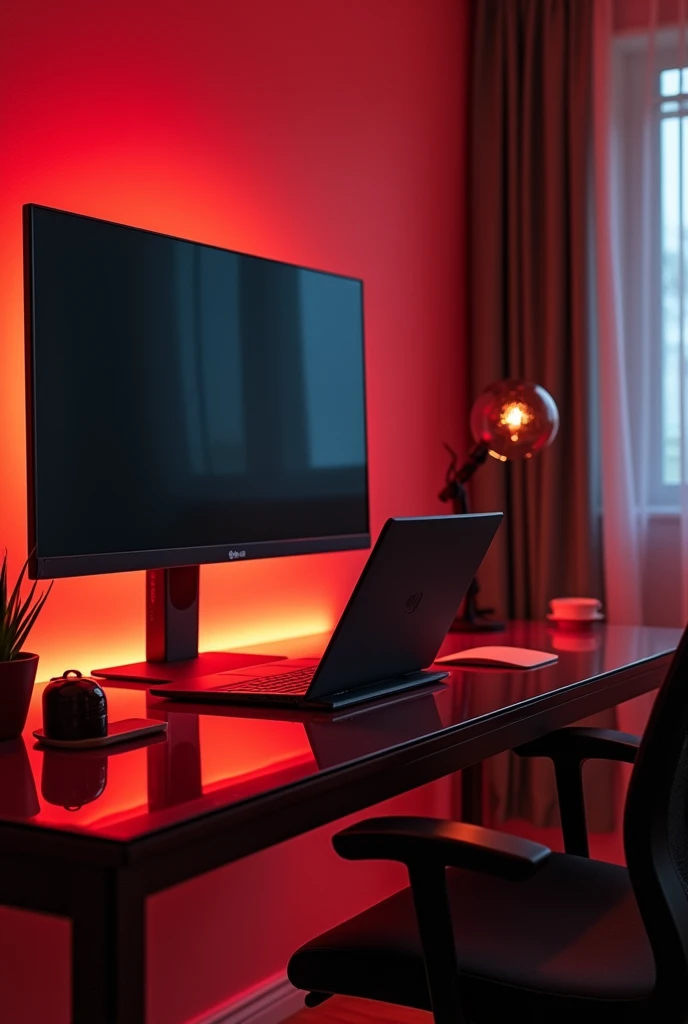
(656, 834)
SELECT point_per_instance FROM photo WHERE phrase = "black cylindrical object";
(74, 707)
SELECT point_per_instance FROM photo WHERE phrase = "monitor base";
(156, 672)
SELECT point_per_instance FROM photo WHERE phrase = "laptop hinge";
(380, 688)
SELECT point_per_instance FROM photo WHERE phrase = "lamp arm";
(476, 457)
(454, 489)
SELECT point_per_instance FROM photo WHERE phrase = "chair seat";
(558, 943)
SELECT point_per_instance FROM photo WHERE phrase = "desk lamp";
(510, 419)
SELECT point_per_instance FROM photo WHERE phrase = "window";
(650, 168)
(673, 190)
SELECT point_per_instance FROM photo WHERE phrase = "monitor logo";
(233, 555)
(413, 602)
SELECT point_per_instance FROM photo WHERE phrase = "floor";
(340, 1010)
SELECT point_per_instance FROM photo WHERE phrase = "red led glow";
(330, 135)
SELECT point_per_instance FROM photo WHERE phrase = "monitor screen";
(186, 404)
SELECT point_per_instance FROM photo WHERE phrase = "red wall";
(325, 132)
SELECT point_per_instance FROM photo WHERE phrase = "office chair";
(494, 927)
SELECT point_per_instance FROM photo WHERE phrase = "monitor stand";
(172, 635)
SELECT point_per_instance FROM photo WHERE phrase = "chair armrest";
(427, 846)
(430, 843)
(568, 749)
(583, 744)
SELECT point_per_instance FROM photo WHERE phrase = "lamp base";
(460, 625)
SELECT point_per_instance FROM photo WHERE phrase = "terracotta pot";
(16, 686)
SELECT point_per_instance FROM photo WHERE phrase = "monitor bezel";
(234, 550)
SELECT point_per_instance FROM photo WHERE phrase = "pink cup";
(578, 608)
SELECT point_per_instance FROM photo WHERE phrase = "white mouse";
(499, 657)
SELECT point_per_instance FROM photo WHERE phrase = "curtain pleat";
(530, 302)
(529, 239)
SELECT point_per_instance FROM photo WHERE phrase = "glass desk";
(89, 835)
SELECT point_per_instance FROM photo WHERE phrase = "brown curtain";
(529, 289)
(530, 295)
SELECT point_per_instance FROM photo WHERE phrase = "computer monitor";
(186, 404)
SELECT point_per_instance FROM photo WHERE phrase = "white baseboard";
(271, 1002)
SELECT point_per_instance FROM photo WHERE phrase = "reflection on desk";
(18, 796)
(174, 768)
(215, 757)
(72, 778)
(349, 738)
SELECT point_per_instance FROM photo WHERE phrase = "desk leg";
(472, 794)
(108, 948)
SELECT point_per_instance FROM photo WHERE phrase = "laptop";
(389, 633)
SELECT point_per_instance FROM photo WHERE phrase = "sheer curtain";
(640, 270)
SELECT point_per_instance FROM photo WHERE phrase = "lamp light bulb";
(514, 419)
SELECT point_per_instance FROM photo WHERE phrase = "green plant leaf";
(4, 641)
(29, 624)
(3, 588)
(23, 608)
(23, 611)
(17, 616)
(15, 596)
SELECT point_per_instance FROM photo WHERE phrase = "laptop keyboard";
(295, 682)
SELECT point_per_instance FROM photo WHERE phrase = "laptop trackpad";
(279, 668)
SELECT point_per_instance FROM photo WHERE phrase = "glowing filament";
(515, 415)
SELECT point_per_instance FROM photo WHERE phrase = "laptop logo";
(413, 602)
(231, 555)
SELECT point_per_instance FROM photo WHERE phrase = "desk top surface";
(217, 757)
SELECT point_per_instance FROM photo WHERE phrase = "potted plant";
(17, 667)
